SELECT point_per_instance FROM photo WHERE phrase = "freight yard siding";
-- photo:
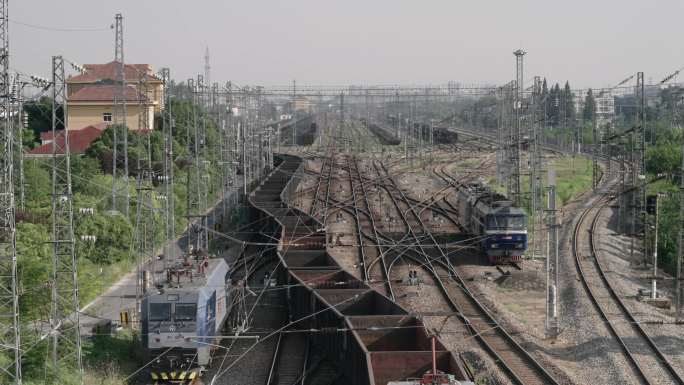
(326, 298)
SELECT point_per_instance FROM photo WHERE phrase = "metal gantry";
(65, 336)
(120, 192)
(10, 341)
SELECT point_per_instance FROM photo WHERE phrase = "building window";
(106, 116)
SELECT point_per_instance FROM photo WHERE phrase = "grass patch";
(573, 177)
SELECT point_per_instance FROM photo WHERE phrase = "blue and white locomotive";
(182, 318)
(502, 227)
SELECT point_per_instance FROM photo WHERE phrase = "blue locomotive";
(182, 318)
(490, 216)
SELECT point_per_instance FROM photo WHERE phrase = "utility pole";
(514, 181)
(194, 182)
(207, 98)
(144, 218)
(654, 285)
(169, 206)
(120, 147)
(641, 100)
(341, 132)
(552, 262)
(595, 169)
(536, 183)
(680, 243)
(65, 341)
(10, 341)
(294, 113)
(638, 171)
(22, 123)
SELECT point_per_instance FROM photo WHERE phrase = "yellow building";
(90, 96)
(301, 103)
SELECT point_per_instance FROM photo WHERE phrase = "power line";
(59, 29)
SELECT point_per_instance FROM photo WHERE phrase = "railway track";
(373, 255)
(512, 358)
(322, 296)
(648, 363)
(504, 350)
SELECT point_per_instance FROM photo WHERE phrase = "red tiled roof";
(102, 93)
(79, 140)
(96, 72)
(47, 135)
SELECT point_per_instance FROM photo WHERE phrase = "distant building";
(301, 103)
(79, 140)
(605, 105)
(90, 96)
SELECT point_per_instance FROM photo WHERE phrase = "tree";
(39, 114)
(553, 106)
(569, 99)
(589, 107)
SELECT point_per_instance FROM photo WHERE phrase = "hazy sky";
(591, 43)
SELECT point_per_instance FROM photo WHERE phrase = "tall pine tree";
(589, 107)
(569, 105)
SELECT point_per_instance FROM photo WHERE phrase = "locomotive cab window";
(185, 312)
(160, 312)
(506, 222)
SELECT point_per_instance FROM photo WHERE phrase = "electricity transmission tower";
(206, 98)
(145, 213)
(120, 147)
(514, 180)
(197, 234)
(21, 122)
(536, 168)
(10, 342)
(65, 341)
(169, 204)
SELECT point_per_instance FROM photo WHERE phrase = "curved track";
(647, 361)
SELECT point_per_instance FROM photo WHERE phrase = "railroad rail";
(511, 356)
(513, 359)
(637, 346)
(370, 339)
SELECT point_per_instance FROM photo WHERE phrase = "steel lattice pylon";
(516, 135)
(145, 215)
(120, 147)
(167, 128)
(9, 309)
(65, 341)
(197, 235)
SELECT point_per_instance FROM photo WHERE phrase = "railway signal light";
(651, 204)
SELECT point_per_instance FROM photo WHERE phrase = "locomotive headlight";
(494, 245)
(519, 245)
